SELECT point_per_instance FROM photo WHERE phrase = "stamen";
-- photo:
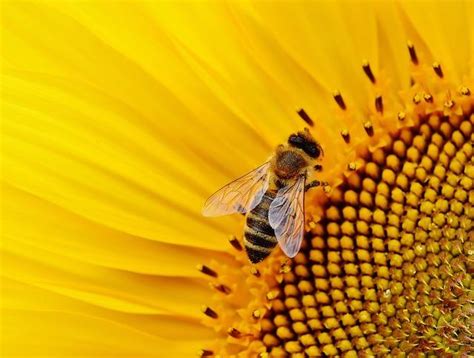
(205, 353)
(437, 69)
(339, 100)
(209, 312)
(369, 128)
(346, 136)
(256, 314)
(368, 71)
(234, 332)
(465, 91)
(412, 51)
(302, 113)
(352, 166)
(254, 271)
(273, 294)
(401, 116)
(235, 243)
(417, 98)
(221, 288)
(379, 104)
(285, 268)
(428, 98)
(449, 104)
(206, 270)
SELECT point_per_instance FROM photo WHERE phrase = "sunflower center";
(388, 267)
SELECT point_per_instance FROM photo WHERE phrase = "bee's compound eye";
(312, 150)
(295, 140)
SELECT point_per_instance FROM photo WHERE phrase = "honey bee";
(272, 196)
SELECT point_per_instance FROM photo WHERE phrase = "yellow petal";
(70, 235)
(447, 27)
(77, 172)
(21, 296)
(113, 289)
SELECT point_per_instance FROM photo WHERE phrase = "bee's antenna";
(302, 113)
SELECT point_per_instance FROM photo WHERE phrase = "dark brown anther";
(428, 98)
(412, 52)
(205, 353)
(369, 128)
(318, 167)
(235, 243)
(209, 312)
(305, 117)
(346, 135)
(368, 71)
(207, 271)
(254, 271)
(221, 288)
(401, 116)
(437, 69)
(339, 100)
(379, 104)
(234, 332)
(465, 91)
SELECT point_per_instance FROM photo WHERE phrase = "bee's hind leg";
(314, 184)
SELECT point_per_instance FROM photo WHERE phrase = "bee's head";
(305, 141)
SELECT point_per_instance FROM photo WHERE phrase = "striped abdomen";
(259, 237)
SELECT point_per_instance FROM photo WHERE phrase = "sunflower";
(120, 118)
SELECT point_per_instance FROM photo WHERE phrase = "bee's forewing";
(240, 196)
(286, 217)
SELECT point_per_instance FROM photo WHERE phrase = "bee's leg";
(240, 209)
(314, 184)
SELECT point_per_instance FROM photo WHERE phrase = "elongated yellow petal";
(70, 235)
(21, 296)
(118, 290)
(59, 151)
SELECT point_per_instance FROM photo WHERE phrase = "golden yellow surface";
(120, 118)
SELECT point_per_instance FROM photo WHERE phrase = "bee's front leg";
(314, 184)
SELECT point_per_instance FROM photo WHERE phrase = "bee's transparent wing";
(286, 217)
(240, 196)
